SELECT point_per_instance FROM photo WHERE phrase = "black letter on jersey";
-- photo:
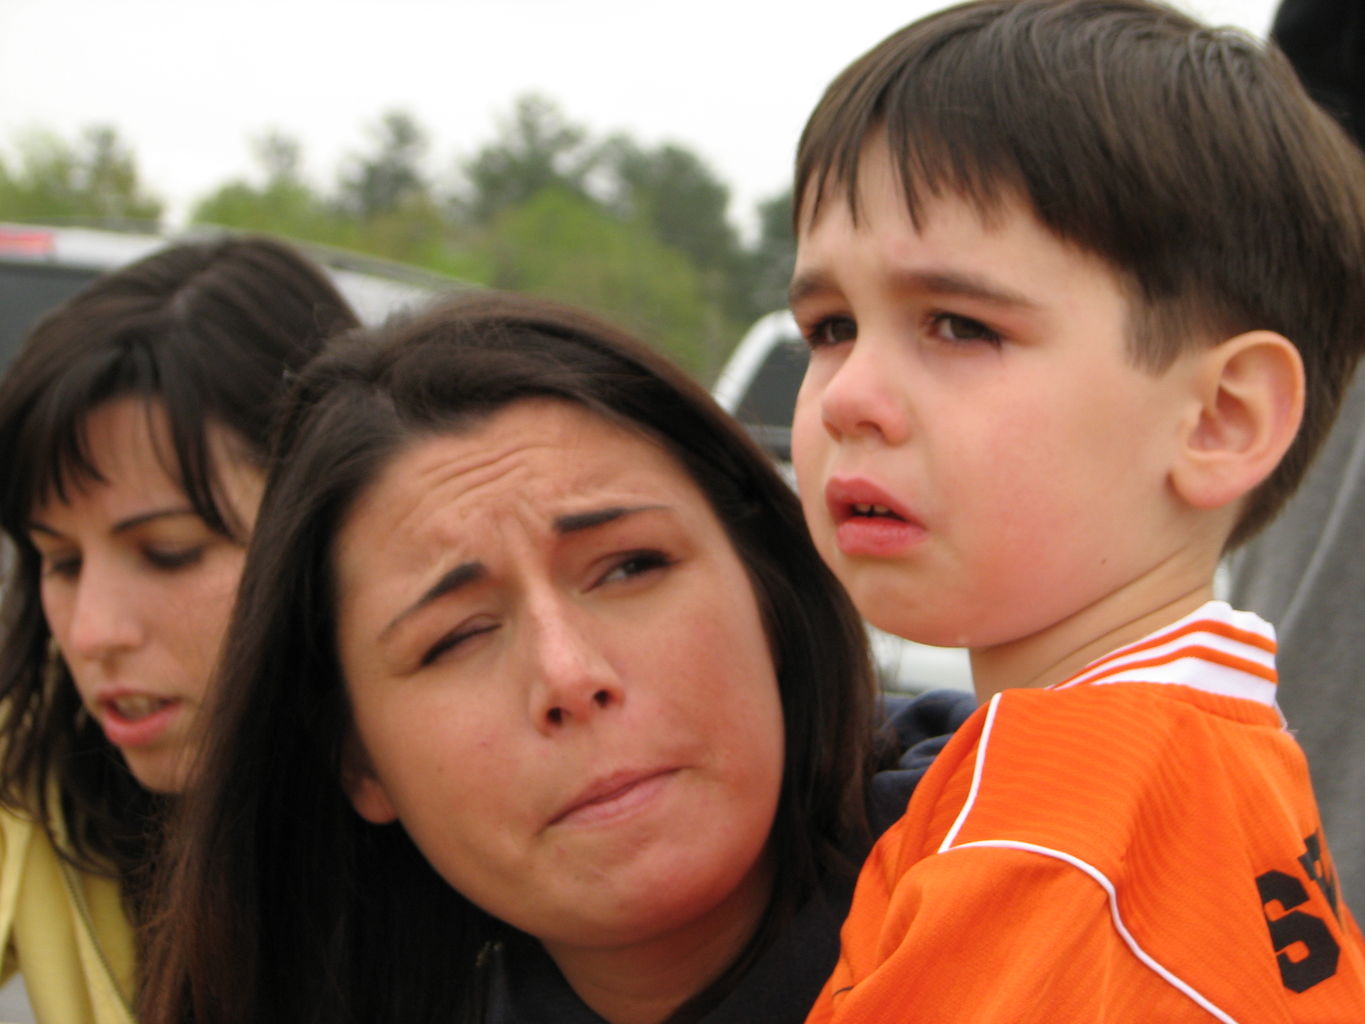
(1319, 872)
(1319, 961)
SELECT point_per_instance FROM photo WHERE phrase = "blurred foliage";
(640, 234)
(536, 148)
(773, 256)
(385, 181)
(93, 179)
(283, 204)
(564, 246)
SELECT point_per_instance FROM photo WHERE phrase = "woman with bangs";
(133, 431)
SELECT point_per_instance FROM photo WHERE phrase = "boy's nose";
(574, 680)
(861, 399)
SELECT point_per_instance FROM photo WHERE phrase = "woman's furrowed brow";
(576, 522)
(466, 573)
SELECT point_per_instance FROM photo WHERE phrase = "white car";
(42, 265)
(758, 386)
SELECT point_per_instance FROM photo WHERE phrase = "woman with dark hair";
(133, 432)
(537, 704)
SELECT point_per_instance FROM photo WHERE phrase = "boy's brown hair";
(1188, 158)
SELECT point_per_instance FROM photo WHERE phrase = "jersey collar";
(1215, 649)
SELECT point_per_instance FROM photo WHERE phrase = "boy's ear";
(367, 794)
(1246, 412)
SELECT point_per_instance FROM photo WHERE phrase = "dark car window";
(767, 406)
(771, 397)
(27, 291)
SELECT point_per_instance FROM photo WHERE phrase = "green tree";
(95, 179)
(677, 195)
(383, 181)
(773, 254)
(283, 205)
(565, 246)
(685, 205)
(536, 148)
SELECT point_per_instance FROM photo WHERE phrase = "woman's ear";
(1245, 414)
(367, 794)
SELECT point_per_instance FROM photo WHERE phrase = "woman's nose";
(103, 619)
(574, 679)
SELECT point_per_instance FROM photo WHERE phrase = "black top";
(1325, 41)
(525, 987)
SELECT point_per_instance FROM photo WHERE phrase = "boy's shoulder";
(1157, 734)
(1062, 831)
(1119, 812)
(1084, 771)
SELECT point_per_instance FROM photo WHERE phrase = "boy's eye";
(832, 330)
(951, 327)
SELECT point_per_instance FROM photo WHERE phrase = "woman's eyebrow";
(577, 521)
(132, 522)
(451, 580)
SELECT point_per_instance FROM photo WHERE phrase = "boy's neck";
(1062, 650)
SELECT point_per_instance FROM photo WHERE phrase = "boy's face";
(978, 458)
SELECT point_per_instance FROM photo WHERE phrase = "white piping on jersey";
(976, 775)
(1214, 649)
(1095, 873)
(1108, 887)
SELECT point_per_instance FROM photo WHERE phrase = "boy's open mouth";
(873, 512)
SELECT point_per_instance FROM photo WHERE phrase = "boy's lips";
(869, 521)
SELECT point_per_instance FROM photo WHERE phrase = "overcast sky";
(189, 82)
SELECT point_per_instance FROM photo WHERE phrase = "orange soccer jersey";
(1139, 843)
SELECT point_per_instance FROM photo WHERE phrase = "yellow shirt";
(64, 929)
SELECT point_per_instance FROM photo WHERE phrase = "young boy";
(1082, 282)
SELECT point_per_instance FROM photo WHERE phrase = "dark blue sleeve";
(918, 727)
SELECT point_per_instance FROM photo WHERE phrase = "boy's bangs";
(923, 92)
(1062, 105)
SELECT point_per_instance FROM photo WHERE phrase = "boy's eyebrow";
(803, 286)
(971, 286)
(936, 282)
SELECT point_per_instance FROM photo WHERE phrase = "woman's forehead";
(545, 456)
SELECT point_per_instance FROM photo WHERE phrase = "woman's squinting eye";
(453, 639)
(951, 327)
(832, 330)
